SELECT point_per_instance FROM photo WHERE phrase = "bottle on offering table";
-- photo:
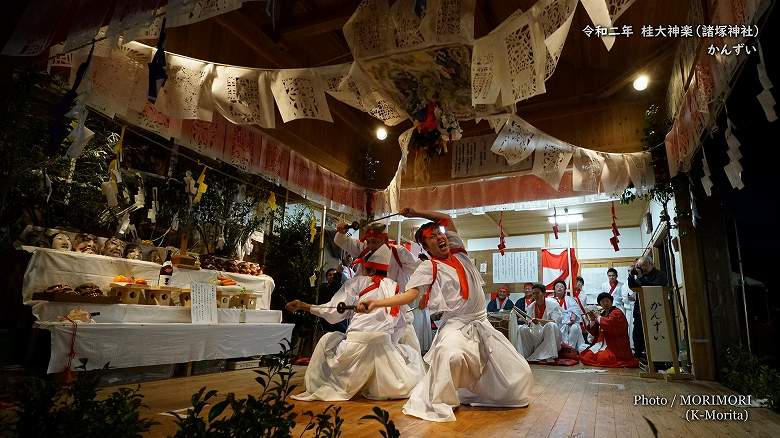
(166, 271)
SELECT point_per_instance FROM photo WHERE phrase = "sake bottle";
(166, 271)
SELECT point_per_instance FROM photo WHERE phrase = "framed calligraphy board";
(660, 340)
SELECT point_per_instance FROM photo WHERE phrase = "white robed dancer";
(401, 265)
(367, 359)
(571, 317)
(470, 361)
(623, 298)
(540, 339)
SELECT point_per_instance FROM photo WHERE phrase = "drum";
(500, 321)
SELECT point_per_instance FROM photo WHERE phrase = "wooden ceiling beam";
(251, 35)
(314, 28)
(601, 95)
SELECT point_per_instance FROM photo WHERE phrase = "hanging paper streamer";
(272, 201)
(201, 186)
(312, 229)
(501, 235)
(765, 98)
(706, 180)
(152, 214)
(733, 169)
(586, 171)
(555, 225)
(49, 188)
(615, 233)
(110, 191)
(79, 136)
(157, 70)
(120, 143)
(551, 157)
(221, 239)
(615, 176)
(599, 14)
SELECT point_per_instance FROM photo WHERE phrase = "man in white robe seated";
(401, 265)
(571, 317)
(540, 339)
(470, 361)
(367, 359)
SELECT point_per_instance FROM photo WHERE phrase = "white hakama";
(571, 331)
(470, 362)
(536, 342)
(366, 359)
(402, 265)
(422, 325)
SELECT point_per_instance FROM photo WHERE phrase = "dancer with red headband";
(400, 266)
(368, 359)
(470, 361)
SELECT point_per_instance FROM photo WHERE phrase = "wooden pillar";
(702, 355)
(725, 307)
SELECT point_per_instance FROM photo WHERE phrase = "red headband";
(373, 233)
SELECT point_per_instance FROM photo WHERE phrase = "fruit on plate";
(122, 279)
(139, 280)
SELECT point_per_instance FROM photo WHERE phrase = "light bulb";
(640, 83)
(381, 133)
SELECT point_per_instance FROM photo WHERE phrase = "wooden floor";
(565, 402)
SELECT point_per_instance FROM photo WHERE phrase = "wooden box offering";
(185, 298)
(243, 301)
(223, 300)
(162, 296)
(128, 294)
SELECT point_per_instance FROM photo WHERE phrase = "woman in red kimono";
(610, 329)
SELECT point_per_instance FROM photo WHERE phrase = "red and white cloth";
(556, 267)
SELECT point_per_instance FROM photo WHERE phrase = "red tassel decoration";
(615, 233)
(501, 235)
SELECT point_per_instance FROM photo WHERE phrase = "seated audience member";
(528, 297)
(500, 300)
(610, 329)
(623, 299)
(571, 332)
(370, 358)
(613, 287)
(540, 340)
(578, 285)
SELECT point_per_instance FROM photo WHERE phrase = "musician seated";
(528, 298)
(500, 300)
(572, 310)
(610, 328)
(368, 359)
(540, 338)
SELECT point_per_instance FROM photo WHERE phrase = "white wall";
(512, 242)
(591, 244)
(594, 244)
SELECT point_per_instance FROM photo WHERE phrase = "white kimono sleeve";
(346, 294)
(421, 279)
(555, 312)
(348, 244)
(408, 261)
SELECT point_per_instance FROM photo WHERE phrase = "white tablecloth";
(133, 345)
(134, 313)
(48, 267)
